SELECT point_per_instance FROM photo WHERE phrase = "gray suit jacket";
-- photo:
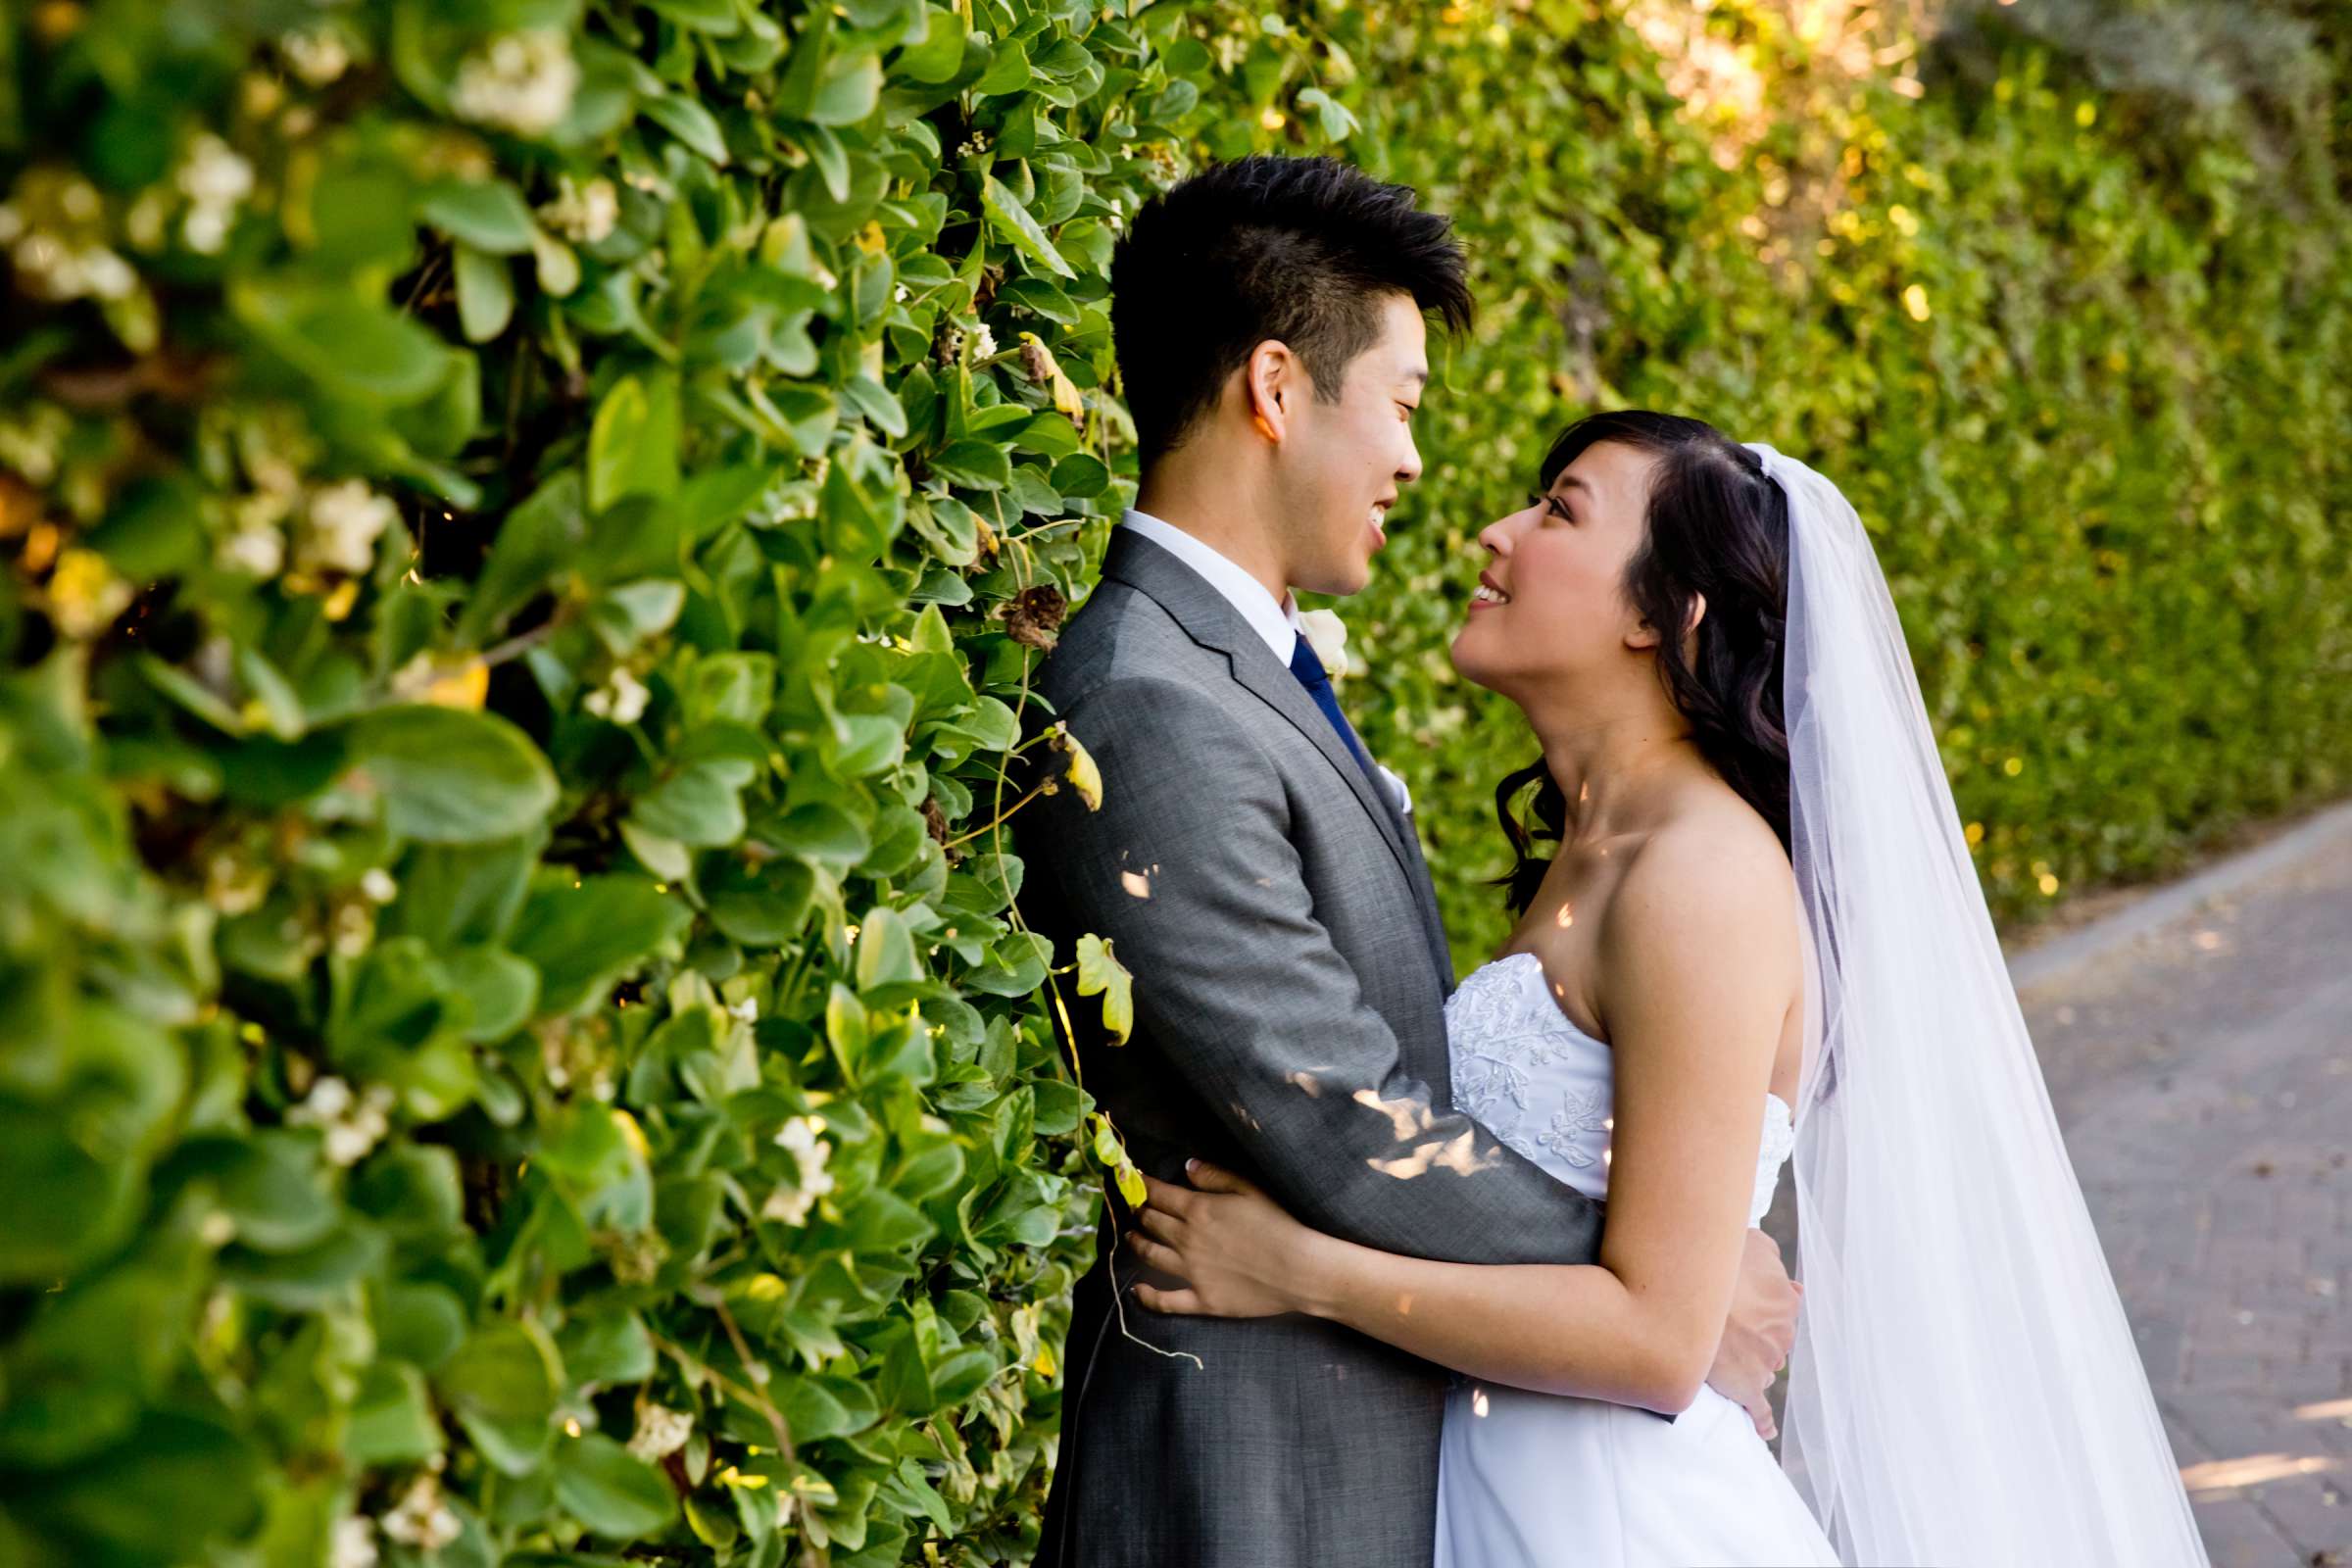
(1290, 980)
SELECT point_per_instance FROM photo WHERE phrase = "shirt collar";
(1276, 621)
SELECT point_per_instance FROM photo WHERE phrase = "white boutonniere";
(1327, 634)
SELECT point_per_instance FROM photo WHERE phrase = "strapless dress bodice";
(1527, 1073)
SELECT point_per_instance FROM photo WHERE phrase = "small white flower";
(1327, 634)
(256, 551)
(522, 81)
(206, 230)
(216, 180)
(788, 1205)
(422, 1520)
(792, 1201)
(329, 1099)
(354, 1545)
(660, 1432)
(341, 528)
(352, 1124)
(379, 885)
(623, 702)
(106, 276)
(748, 1009)
(900, 294)
(583, 214)
(317, 58)
(57, 271)
(983, 342)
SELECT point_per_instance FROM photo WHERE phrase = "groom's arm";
(1238, 986)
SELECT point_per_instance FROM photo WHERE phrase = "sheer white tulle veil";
(1964, 1391)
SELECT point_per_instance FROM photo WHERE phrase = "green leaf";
(973, 466)
(886, 949)
(611, 1490)
(1336, 121)
(1081, 476)
(503, 988)
(582, 936)
(502, 1385)
(689, 123)
(391, 1421)
(488, 216)
(633, 442)
(850, 88)
(699, 805)
(1012, 220)
(874, 401)
(718, 17)
(267, 1184)
(816, 1409)
(363, 351)
(961, 1373)
(454, 898)
(448, 776)
(936, 57)
(606, 1349)
(419, 1323)
(760, 907)
(485, 295)
(312, 1279)
(1007, 72)
(177, 1479)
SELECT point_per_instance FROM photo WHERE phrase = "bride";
(1759, 937)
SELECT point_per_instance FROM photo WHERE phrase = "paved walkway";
(2199, 1050)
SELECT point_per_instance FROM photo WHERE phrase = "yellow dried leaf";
(1131, 1185)
(1102, 973)
(1085, 777)
(465, 689)
(1045, 371)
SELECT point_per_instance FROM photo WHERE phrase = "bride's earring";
(1265, 429)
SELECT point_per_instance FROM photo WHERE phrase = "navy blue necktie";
(1309, 670)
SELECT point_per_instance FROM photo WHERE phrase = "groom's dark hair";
(1296, 249)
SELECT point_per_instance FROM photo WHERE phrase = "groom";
(1260, 875)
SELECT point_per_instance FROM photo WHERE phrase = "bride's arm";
(1698, 960)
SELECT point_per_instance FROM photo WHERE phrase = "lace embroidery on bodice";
(1545, 1086)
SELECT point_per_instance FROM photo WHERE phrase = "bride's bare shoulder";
(1711, 875)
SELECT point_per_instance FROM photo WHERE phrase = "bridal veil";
(1965, 1391)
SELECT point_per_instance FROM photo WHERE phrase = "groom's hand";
(1760, 1332)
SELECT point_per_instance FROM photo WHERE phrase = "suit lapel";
(1211, 621)
(1433, 924)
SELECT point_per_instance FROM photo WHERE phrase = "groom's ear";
(1273, 381)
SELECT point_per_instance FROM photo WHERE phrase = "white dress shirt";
(1274, 620)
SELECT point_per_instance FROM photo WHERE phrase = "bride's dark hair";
(1718, 526)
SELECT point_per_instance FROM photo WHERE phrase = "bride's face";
(1550, 601)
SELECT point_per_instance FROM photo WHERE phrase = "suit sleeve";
(1239, 988)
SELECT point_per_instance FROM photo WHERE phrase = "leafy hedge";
(527, 526)
(2064, 314)
(529, 523)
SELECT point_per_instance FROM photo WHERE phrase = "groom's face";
(1342, 463)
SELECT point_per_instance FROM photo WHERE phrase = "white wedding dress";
(1542, 1481)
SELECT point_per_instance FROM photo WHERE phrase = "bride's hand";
(1238, 1253)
